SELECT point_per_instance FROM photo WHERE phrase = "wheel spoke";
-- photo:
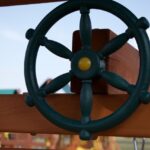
(85, 28)
(86, 101)
(55, 84)
(115, 44)
(117, 81)
(57, 48)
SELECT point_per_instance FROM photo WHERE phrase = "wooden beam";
(14, 148)
(20, 149)
(15, 116)
(24, 2)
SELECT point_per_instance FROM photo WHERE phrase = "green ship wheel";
(86, 64)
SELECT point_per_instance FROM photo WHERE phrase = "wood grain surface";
(15, 116)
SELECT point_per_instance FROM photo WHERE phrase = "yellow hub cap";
(84, 64)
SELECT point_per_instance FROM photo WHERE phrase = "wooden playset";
(109, 78)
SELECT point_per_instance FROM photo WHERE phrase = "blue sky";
(14, 22)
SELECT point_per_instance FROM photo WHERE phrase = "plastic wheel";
(87, 64)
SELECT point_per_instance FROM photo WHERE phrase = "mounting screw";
(29, 101)
(143, 23)
(85, 135)
(29, 34)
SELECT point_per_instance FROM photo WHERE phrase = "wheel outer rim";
(142, 83)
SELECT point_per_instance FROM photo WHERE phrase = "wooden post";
(119, 62)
